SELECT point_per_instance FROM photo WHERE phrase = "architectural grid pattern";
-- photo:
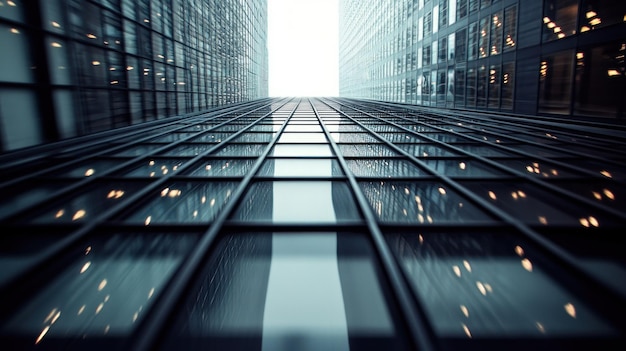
(442, 230)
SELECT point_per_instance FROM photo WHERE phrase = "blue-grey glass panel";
(198, 127)
(365, 150)
(604, 170)
(484, 150)
(297, 150)
(155, 168)
(426, 150)
(254, 138)
(20, 248)
(313, 291)
(612, 194)
(139, 150)
(446, 137)
(302, 137)
(187, 202)
(402, 138)
(23, 196)
(87, 203)
(297, 202)
(419, 202)
(384, 128)
(211, 137)
(89, 168)
(241, 150)
(300, 168)
(482, 285)
(264, 128)
(344, 128)
(172, 137)
(221, 168)
(534, 205)
(340, 137)
(541, 151)
(188, 150)
(385, 168)
(539, 168)
(294, 127)
(463, 168)
(102, 294)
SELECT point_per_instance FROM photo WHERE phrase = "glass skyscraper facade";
(549, 57)
(74, 67)
(318, 224)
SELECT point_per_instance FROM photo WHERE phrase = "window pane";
(559, 19)
(384, 168)
(510, 28)
(508, 85)
(222, 168)
(300, 168)
(555, 83)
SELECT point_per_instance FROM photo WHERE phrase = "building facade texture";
(73, 67)
(550, 57)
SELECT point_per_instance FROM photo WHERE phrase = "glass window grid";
(386, 131)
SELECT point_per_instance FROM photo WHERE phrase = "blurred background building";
(551, 57)
(73, 67)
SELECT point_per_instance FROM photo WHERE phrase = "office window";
(559, 19)
(450, 88)
(451, 47)
(426, 56)
(435, 52)
(508, 85)
(555, 83)
(443, 13)
(443, 50)
(459, 87)
(597, 14)
(472, 44)
(470, 87)
(428, 24)
(510, 28)
(496, 33)
(494, 86)
(485, 3)
(461, 9)
(460, 50)
(472, 5)
(482, 86)
(483, 40)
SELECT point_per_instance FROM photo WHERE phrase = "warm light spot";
(56, 316)
(95, 63)
(165, 191)
(584, 222)
(590, 14)
(148, 220)
(613, 72)
(595, 21)
(406, 191)
(212, 203)
(42, 334)
(208, 167)
(554, 172)
(481, 288)
(195, 213)
(50, 315)
(492, 195)
(609, 194)
(81, 310)
(489, 288)
(15, 31)
(543, 220)
(519, 251)
(55, 44)
(90, 172)
(85, 267)
(79, 214)
(175, 193)
(521, 194)
(91, 36)
(462, 165)
(467, 266)
(420, 238)
(114, 82)
(150, 293)
(606, 174)
(456, 270)
(584, 29)
(527, 264)
(597, 195)
(429, 219)
(418, 199)
(420, 218)
(557, 29)
(551, 25)
(135, 316)
(580, 55)
(55, 24)
(87, 250)
(100, 307)
(467, 331)
(529, 169)
(115, 194)
(593, 221)
(59, 214)
(152, 174)
(11, 3)
(442, 191)
(102, 284)
(546, 20)
(570, 309)
(129, 68)
(464, 310)
(540, 327)
(561, 35)
(151, 163)
(514, 195)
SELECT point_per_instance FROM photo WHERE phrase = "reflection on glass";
(295, 127)
(297, 201)
(426, 150)
(606, 193)
(419, 202)
(462, 168)
(241, 150)
(90, 203)
(384, 168)
(139, 150)
(26, 195)
(288, 291)
(534, 206)
(21, 247)
(188, 150)
(302, 138)
(353, 137)
(539, 169)
(300, 168)
(297, 150)
(211, 137)
(91, 168)
(402, 138)
(222, 168)
(103, 293)
(254, 138)
(172, 137)
(185, 202)
(349, 150)
(156, 168)
(490, 285)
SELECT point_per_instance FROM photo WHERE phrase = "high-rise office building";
(73, 67)
(549, 57)
(323, 224)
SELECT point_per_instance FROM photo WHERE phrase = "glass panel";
(304, 291)
(538, 168)
(559, 19)
(254, 138)
(155, 168)
(366, 150)
(496, 33)
(293, 150)
(302, 138)
(300, 168)
(384, 168)
(297, 201)
(139, 150)
(89, 204)
(597, 14)
(90, 168)
(419, 202)
(426, 150)
(463, 168)
(222, 168)
(608, 193)
(354, 138)
(510, 28)
(21, 196)
(555, 83)
(188, 150)
(101, 296)
(241, 150)
(185, 202)
(483, 285)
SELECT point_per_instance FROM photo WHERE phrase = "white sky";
(303, 47)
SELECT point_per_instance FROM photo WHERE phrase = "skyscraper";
(550, 57)
(72, 67)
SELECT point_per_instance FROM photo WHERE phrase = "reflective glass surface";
(419, 202)
(241, 150)
(300, 168)
(101, 294)
(387, 168)
(296, 150)
(184, 203)
(463, 168)
(221, 167)
(156, 168)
